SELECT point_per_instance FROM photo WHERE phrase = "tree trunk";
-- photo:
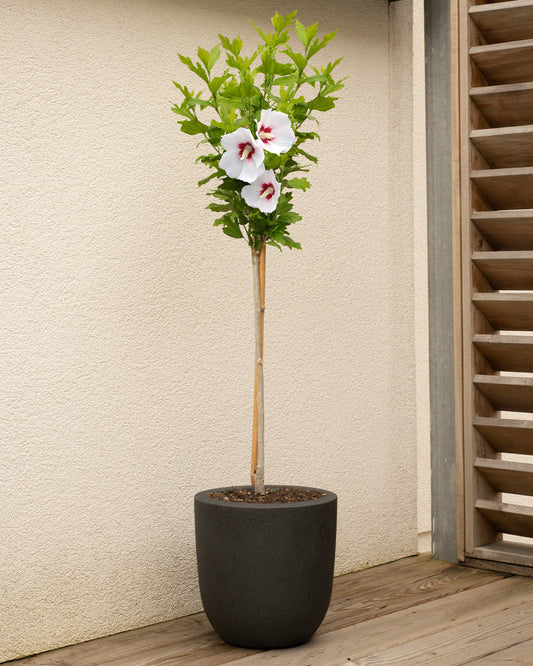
(258, 434)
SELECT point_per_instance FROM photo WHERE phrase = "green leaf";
(203, 54)
(289, 218)
(299, 112)
(266, 38)
(301, 33)
(247, 87)
(277, 22)
(197, 101)
(318, 45)
(181, 112)
(311, 158)
(272, 161)
(215, 133)
(214, 55)
(311, 32)
(285, 240)
(268, 64)
(225, 42)
(297, 58)
(331, 66)
(219, 208)
(320, 103)
(285, 80)
(193, 126)
(322, 78)
(232, 229)
(274, 244)
(211, 160)
(206, 180)
(283, 68)
(236, 46)
(305, 136)
(197, 69)
(299, 183)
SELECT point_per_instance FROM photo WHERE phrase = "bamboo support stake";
(258, 431)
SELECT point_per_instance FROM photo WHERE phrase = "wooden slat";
(506, 435)
(456, 647)
(510, 62)
(508, 518)
(504, 21)
(506, 270)
(519, 653)
(507, 552)
(506, 188)
(511, 353)
(497, 185)
(507, 476)
(510, 394)
(505, 147)
(506, 229)
(505, 105)
(393, 587)
(506, 312)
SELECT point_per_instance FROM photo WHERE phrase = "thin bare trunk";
(262, 265)
(258, 436)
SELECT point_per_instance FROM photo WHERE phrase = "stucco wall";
(126, 318)
(407, 131)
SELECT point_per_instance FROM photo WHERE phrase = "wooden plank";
(504, 21)
(507, 435)
(506, 188)
(502, 567)
(511, 353)
(506, 312)
(506, 229)
(517, 654)
(510, 394)
(451, 647)
(365, 640)
(505, 105)
(508, 552)
(396, 592)
(507, 476)
(505, 147)
(510, 62)
(506, 270)
(358, 596)
(508, 518)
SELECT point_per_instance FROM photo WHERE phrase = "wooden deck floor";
(413, 611)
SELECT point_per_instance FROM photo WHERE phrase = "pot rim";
(203, 496)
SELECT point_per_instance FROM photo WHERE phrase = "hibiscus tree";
(255, 114)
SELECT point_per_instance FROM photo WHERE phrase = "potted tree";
(265, 553)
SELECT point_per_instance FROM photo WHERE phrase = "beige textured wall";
(407, 130)
(126, 319)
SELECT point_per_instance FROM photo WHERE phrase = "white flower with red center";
(243, 156)
(263, 193)
(275, 132)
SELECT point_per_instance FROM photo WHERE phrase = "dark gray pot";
(265, 570)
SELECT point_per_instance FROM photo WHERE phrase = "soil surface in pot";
(271, 496)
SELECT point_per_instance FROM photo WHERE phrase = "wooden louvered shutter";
(496, 165)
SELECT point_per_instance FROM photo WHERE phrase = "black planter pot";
(265, 570)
